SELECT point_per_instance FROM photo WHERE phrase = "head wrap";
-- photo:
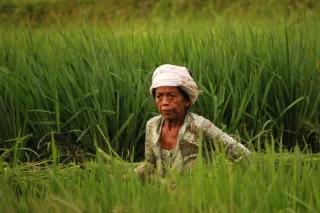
(177, 76)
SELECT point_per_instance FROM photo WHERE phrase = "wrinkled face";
(171, 103)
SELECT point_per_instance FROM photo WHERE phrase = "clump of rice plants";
(94, 82)
(65, 93)
(266, 182)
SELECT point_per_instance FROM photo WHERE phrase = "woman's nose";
(165, 100)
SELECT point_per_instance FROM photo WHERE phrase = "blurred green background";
(113, 12)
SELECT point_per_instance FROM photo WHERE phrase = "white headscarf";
(177, 76)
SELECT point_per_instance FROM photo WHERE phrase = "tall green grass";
(267, 182)
(93, 82)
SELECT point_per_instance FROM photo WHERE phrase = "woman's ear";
(187, 104)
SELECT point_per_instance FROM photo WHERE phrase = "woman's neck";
(173, 124)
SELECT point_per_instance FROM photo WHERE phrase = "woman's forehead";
(167, 89)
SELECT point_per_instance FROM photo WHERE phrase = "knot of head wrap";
(177, 76)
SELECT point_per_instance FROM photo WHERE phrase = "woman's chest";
(186, 142)
(169, 139)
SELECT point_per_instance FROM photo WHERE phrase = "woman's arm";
(234, 149)
(149, 154)
(148, 165)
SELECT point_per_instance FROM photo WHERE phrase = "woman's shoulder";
(200, 123)
(154, 120)
(199, 120)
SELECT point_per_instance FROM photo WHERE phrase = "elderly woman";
(174, 137)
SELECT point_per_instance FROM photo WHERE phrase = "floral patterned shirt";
(194, 131)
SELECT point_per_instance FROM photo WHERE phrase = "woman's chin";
(167, 116)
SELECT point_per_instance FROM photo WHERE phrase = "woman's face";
(171, 103)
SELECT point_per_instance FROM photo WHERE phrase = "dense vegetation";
(74, 81)
(93, 83)
(267, 183)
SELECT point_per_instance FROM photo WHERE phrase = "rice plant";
(266, 182)
(87, 83)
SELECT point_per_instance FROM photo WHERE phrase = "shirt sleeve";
(222, 140)
(149, 154)
(148, 165)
